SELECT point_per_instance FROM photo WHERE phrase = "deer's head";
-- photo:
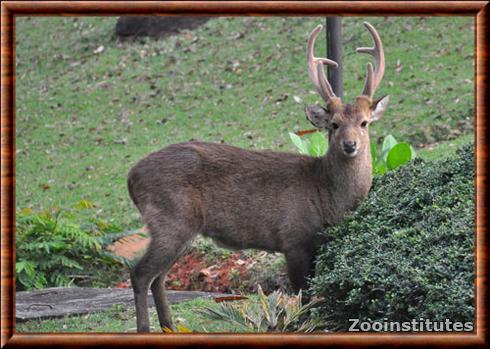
(347, 124)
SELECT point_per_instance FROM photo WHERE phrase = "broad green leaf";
(318, 144)
(388, 143)
(400, 154)
(299, 143)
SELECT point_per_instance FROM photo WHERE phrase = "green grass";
(73, 105)
(445, 148)
(119, 319)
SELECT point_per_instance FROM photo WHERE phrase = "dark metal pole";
(334, 52)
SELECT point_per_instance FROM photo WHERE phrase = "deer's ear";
(317, 115)
(378, 107)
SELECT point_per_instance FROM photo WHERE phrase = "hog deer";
(264, 200)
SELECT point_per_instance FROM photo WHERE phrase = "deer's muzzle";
(350, 147)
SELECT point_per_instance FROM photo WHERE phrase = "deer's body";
(249, 199)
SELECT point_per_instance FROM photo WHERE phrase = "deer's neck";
(348, 181)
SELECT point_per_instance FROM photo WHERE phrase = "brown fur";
(246, 199)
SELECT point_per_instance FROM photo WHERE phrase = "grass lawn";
(89, 107)
(118, 319)
(446, 148)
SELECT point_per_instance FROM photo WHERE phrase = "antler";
(373, 78)
(315, 68)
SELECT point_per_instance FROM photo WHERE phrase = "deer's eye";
(364, 123)
(335, 126)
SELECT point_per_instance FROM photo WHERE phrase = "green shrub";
(407, 252)
(53, 249)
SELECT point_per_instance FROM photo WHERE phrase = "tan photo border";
(11, 9)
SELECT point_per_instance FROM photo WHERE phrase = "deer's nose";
(349, 147)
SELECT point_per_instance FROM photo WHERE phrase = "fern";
(53, 249)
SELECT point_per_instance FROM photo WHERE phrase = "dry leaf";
(99, 49)
(122, 141)
(399, 66)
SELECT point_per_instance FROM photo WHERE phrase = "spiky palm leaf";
(276, 312)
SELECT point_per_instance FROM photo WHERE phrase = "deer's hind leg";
(160, 297)
(169, 238)
(142, 275)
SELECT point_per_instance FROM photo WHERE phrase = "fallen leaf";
(399, 66)
(229, 298)
(99, 49)
(284, 97)
(236, 36)
(123, 284)
(187, 35)
(123, 141)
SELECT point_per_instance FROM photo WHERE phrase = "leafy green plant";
(53, 249)
(393, 153)
(277, 312)
(407, 252)
(315, 145)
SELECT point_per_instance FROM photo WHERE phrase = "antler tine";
(315, 68)
(369, 84)
(373, 79)
(324, 84)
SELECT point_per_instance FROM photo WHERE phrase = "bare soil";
(195, 271)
